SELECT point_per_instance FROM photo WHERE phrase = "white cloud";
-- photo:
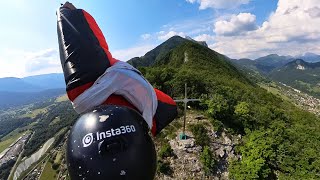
(19, 63)
(42, 61)
(191, 1)
(162, 35)
(188, 27)
(127, 54)
(237, 24)
(146, 36)
(204, 37)
(219, 4)
(292, 29)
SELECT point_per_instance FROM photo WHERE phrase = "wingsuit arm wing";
(85, 56)
(84, 52)
(165, 114)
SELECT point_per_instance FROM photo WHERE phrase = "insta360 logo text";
(88, 139)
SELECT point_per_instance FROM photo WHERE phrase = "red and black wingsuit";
(93, 77)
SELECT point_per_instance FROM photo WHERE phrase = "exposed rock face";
(300, 67)
(186, 163)
(199, 117)
(203, 43)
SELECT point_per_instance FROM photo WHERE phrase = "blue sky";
(236, 28)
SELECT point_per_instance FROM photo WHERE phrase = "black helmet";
(111, 142)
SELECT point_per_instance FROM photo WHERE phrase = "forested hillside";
(58, 116)
(280, 140)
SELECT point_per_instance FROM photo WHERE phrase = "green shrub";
(55, 166)
(164, 168)
(200, 134)
(165, 151)
(217, 125)
(207, 160)
(5, 168)
(170, 131)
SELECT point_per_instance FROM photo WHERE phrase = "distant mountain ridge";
(309, 57)
(12, 84)
(47, 81)
(273, 60)
(264, 64)
(296, 72)
(32, 83)
(299, 74)
(20, 91)
(268, 63)
(301, 64)
(12, 99)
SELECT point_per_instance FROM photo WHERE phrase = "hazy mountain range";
(20, 91)
(301, 72)
(270, 62)
(309, 57)
(32, 83)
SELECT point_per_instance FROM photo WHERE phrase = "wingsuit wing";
(85, 57)
(84, 52)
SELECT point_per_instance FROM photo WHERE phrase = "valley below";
(300, 99)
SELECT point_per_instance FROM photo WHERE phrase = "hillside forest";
(280, 140)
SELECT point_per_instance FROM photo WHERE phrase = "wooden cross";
(185, 101)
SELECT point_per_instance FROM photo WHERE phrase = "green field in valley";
(48, 173)
(62, 98)
(271, 88)
(9, 139)
(34, 113)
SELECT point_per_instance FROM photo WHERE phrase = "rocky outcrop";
(186, 162)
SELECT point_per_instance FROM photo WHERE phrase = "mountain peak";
(272, 55)
(301, 64)
(275, 56)
(152, 56)
(297, 62)
(203, 43)
(307, 54)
